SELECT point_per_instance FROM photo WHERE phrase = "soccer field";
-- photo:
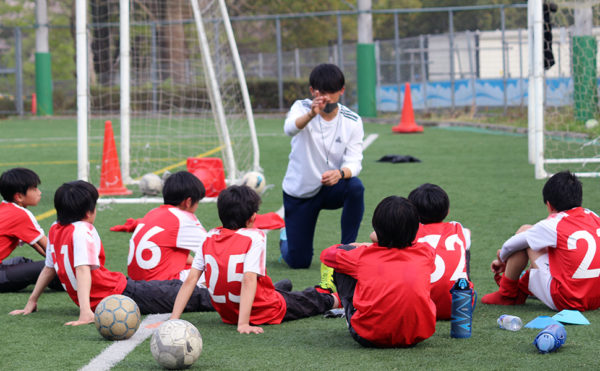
(492, 192)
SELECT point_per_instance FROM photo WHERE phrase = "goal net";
(167, 74)
(564, 87)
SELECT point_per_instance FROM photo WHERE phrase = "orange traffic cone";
(33, 104)
(110, 175)
(407, 120)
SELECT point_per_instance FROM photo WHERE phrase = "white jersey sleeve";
(198, 262)
(86, 245)
(256, 257)
(191, 234)
(541, 235)
(299, 108)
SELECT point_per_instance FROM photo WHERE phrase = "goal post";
(563, 87)
(169, 76)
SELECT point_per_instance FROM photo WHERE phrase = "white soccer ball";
(591, 123)
(117, 317)
(151, 184)
(176, 344)
(254, 180)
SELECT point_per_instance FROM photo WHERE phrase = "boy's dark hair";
(327, 78)
(395, 221)
(181, 185)
(563, 190)
(431, 201)
(73, 200)
(236, 204)
(17, 180)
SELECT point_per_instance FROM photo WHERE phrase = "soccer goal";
(563, 87)
(169, 77)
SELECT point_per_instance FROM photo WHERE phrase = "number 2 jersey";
(451, 242)
(572, 238)
(161, 243)
(77, 244)
(225, 256)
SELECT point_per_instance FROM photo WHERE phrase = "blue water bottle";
(550, 338)
(462, 309)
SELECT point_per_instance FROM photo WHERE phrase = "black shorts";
(307, 303)
(159, 296)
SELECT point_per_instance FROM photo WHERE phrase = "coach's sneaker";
(507, 294)
(327, 278)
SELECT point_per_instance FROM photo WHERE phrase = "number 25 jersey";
(228, 254)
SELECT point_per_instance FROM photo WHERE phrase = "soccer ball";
(254, 180)
(117, 317)
(150, 184)
(591, 123)
(176, 344)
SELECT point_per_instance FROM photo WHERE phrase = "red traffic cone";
(33, 104)
(407, 120)
(111, 183)
(210, 172)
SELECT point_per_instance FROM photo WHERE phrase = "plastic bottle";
(550, 339)
(510, 323)
(462, 309)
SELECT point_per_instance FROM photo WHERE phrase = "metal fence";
(461, 64)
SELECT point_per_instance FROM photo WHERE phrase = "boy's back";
(392, 300)
(228, 254)
(450, 242)
(78, 244)
(161, 243)
(573, 257)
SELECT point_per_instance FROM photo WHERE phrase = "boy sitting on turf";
(234, 258)
(76, 255)
(450, 241)
(384, 287)
(561, 249)
(161, 243)
(19, 189)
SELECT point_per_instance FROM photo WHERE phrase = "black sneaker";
(335, 313)
(284, 285)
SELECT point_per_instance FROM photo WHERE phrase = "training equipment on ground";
(563, 98)
(550, 338)
(150, 184)
(255, 180)
(111, 183)
(117, 317)
(179, 86)
(176, 344)
(407, 122)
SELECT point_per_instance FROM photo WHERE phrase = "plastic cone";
(210, 172)
(33, 104)
(407, 120)
(111, 183)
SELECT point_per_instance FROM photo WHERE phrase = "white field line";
(119, 349)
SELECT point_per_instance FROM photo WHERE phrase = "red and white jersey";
(161, 244)
(450, 242)
(572, 238)
(17, 225)
(73, 245)
(225, 256)
(392, 295)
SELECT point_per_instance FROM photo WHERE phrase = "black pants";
(159, 296)
(345, 287)
(19, 272)
(307, 303)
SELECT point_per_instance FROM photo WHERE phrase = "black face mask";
(330, 107)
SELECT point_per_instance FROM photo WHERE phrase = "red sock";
(507, 294)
